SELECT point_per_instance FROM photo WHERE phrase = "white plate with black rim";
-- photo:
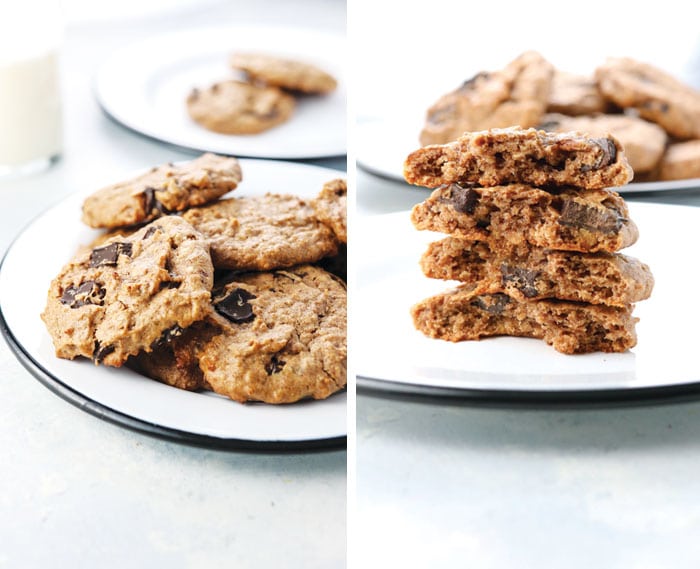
(144, 86)
(383, 145)
(121, 395)
(390, 355)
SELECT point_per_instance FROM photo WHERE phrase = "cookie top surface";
(283, 336)
(331, 207)
(529, 156)
(573, 94)
(263, 232)
(284, 72)
(643, 141)
(236, 107)
(115, 300)
(162, 190)
(654, 94)
(514, 95)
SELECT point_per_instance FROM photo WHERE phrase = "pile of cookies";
(264, 97)
(533, 234)
(204, 292)
(655, 116)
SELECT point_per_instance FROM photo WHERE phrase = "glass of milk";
(30, 100)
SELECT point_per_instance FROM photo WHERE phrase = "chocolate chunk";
(88, 292)
(151, 204)
(492, 303)
(607, 157)
(236, 307)
(109, 254)
(150, 231)
(167, 336)
(101, 352)
(470, 83)
(581, 216)
(523, 279)
(464, 200)
(275, 365)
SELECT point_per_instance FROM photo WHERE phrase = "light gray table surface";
(76, 491)
(442, 482)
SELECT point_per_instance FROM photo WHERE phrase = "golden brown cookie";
(284, 72)
(236, 107)
(118, 299)
(573, 94)
(162, 190)
(680, 161)
(331, 206)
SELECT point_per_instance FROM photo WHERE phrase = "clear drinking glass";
(30, 99)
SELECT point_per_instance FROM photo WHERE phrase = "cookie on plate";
(680, 161)
(283, 337)
(162, 190)
(516, 215)
(573, 94)
(654, 94)
(570, 327)
(118, 299)
(644, 142)
(597, 278)
(514, 95)
(263, 232)
(284, 72)
(237, 107)
(331, 207)
(513, 155)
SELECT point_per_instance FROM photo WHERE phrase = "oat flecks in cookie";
(236, 107)
(514, 95)
(164, 189)
(528, 273)
(118, 299)
(514, 155)
(284, 72)
(331, 207)
(283, 337)
(263, 232)
(508, 216)
(570, 327)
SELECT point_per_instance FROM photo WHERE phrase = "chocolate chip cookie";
(570, 327)
(284, 72)
(533, 273)
(282, 337)
(512, 155)
(680, 161)
(263, 232)
(656, 95)
(331, 206)
(573, 94)
(237, 107)
(514, 95)
(162, 190)
(644, 142)
(123, 297)
(514, 215)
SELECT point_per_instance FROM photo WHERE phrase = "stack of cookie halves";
(243, 296)
(533, 234)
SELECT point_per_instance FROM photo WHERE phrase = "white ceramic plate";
(144, 87)
(390, 354)
(382, 147)
(128, 398)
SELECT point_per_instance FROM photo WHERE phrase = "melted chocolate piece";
(88, 292)
(492, 303)
(523, 279)
(236, 307)
(275, 365)
(151, 203)
(607, 157)
(580, 216)
(109, 254)
(464, 200)
(101, 352)
(167, 336)
(150, 231)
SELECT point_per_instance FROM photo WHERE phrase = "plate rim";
(684, 390)
(142, 426)
(119, 118)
